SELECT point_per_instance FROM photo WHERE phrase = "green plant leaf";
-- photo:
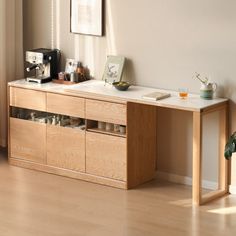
(230, 146)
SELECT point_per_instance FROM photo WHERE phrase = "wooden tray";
(60, 81)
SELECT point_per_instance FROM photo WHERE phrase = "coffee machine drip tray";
(39, 79)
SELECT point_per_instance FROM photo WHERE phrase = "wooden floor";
(35, 204)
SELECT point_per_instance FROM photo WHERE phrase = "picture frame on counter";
(86, 17)
(113, 69)
(71, 65)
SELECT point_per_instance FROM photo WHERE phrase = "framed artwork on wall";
(113, 69)
(86, 17)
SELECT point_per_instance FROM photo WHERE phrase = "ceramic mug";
(207, 90)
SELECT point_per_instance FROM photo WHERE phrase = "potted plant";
(230, 146)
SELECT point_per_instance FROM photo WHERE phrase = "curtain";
(11, 54)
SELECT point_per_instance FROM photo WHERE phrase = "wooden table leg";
(223, 163)
(197, 158)
(198, 198)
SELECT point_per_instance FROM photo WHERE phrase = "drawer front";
(26, 98)
(65, 105)
(66, 148)
(106, 156)
(28, 140)
(106, 111)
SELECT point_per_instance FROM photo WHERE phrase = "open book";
(156, 96)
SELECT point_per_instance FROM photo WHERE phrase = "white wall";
(165, 42)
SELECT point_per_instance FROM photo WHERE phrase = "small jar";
(116, 128)
(122, 129)
(101, 125)
(72, 77)
(109, 127)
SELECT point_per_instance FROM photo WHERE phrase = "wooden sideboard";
(114, 159)
(100, 156)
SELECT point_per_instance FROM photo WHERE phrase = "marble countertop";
(98, 89)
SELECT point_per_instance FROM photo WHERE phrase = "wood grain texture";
(106, 111)
(141, 143)
(106, 156)
(223, 163)
(66, 105)
(68, 173)
(66, 148)
(26, 98)
(28, 140)
(197, 158)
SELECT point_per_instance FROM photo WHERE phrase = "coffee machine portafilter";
(45, 64)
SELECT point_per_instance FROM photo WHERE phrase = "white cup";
(109, 127)
(101, 125)
(122, 129)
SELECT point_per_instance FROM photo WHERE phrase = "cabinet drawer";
(106, 111)
(28, 140)
(65, 105)
(27, 98)
(106, 156)
(66, 148)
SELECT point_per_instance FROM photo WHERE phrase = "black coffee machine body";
(45, 64)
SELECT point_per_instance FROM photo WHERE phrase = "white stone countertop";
(98, 89)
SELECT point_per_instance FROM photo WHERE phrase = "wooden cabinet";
(106, 111)
(26, 98)
(65, 105)
(106, 156)
(90, 153)
(66, 148)
(28, 140)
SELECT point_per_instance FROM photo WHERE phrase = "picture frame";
(71, 65)
(86, 17)
(113, 69)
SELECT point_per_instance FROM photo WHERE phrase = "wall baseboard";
(232, 189)
(179, 179)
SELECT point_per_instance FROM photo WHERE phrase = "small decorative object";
(101, 125)
(183, 93)
(122, 129)
(41, 120)
(71, 65)
(61, 76)
(207, 89)
(109, 127)
(75, 121)
(116, 128)
(74, 73)
(49, 120)
(86, 17)
(113, 69)
(121, 85)
(32, 115)
(54, 120)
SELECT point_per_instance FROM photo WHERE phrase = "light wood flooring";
(35, 204)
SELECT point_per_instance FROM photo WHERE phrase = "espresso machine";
(44, 63)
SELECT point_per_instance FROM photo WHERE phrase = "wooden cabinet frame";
(198, 197)
(136, 164)
(140, 118)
